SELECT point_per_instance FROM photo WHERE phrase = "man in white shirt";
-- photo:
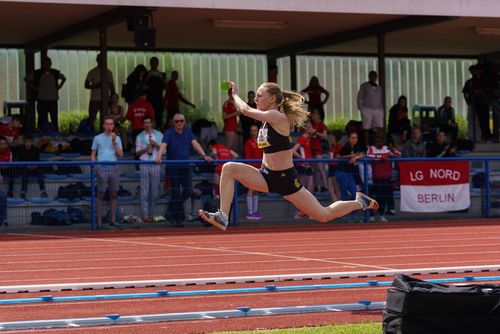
(93, 82)
(371, 106)
(147, 144)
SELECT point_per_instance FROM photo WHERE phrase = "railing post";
(93, 216)
(365, 189)
(235, 204)
(487, 187)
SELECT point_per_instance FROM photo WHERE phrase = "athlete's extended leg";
(247, 175)
(307, 203)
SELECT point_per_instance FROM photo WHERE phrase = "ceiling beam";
(106, 19)
(407, 22)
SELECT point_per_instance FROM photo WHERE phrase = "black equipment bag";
(416, 307)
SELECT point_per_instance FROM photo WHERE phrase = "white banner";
(441, 198)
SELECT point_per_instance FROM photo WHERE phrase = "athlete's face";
(264, 100)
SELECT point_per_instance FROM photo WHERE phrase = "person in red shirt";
(7, 172)
(335, 147)
(172, 98)
(319, 134)
(252, 151)
(302, 150)
(136, 112)
(221, 152)
(11, 130)
(229, 115)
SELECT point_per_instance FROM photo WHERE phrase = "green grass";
(363, 328)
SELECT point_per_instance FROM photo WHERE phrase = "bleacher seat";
(55, 177)
(15, 201)
(40, 200)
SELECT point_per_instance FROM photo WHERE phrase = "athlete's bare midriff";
(278, 160)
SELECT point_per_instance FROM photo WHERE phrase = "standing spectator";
(28, 152)
(252, 151)
(93, 82)
(172, 98)
(136, 112)
(399, 127)
(135, 83)
(7, 172)
(5, 156)
(302, 150)
(116, 111)
(314, 92)
(220, 152)
(107, 146)
(371, 106)
(481, 104)
(177, 142)
(229, 115)
(335, 147)
(319, 135)
(468, 92)
(382, 176)
(445, 119)
(46, 82)
(416, 146)
(156, 82)
(11, 129)
(147, 144)
(440, 148)
(345, 171)
(247, 122)
(272, 74)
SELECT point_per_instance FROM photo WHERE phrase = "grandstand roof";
(412, 27)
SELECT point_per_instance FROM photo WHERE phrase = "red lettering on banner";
(436, 198)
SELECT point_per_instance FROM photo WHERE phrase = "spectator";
(107, 146)
(335, 147)
(176, 143)
(440, 148)
(5, 156)
(172, 98)
(314, 92)
(416, 146)
(28, 152)
(46, 82)
(252, 151)
(93, 82)
(319, 135)
(445, 119)
(117, 113)
(220, 152)
(468, 92)
(147, 144)
(399, 127)
(383, 191)
(156, 82)
(136, 112)
(247, 122)
(481, 104)
(272, 74)
(345, 171)
(135, 83)
(302, 150)
(229, 115)
(7, 172)
(371, 106)
(10, 128)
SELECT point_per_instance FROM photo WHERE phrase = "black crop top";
(271, 141)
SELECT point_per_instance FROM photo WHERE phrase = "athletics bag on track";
(417, 307)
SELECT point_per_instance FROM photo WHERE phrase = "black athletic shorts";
(283, 182)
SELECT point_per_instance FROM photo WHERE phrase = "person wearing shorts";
(107, 147)
(371, 106)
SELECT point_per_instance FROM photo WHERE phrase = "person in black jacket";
(28, 152)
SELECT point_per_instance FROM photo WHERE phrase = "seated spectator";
(302, 150)
(345, 171)
(445, 119)
(252, 151)
(220, 152)
(440, 148)
(318, 136)
(10, 128)
(335, 147)
(28, 152)
(116, 111)
(383, 191)
(415, 147)
(136, 112)
(399, 125)
(7, 172)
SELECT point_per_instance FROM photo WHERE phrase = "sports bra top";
(271, 141)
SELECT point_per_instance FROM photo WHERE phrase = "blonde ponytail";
(289, 103)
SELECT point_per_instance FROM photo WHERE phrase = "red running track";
(73, 257)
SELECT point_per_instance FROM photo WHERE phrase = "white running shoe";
(366, 202)
(216, 219)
